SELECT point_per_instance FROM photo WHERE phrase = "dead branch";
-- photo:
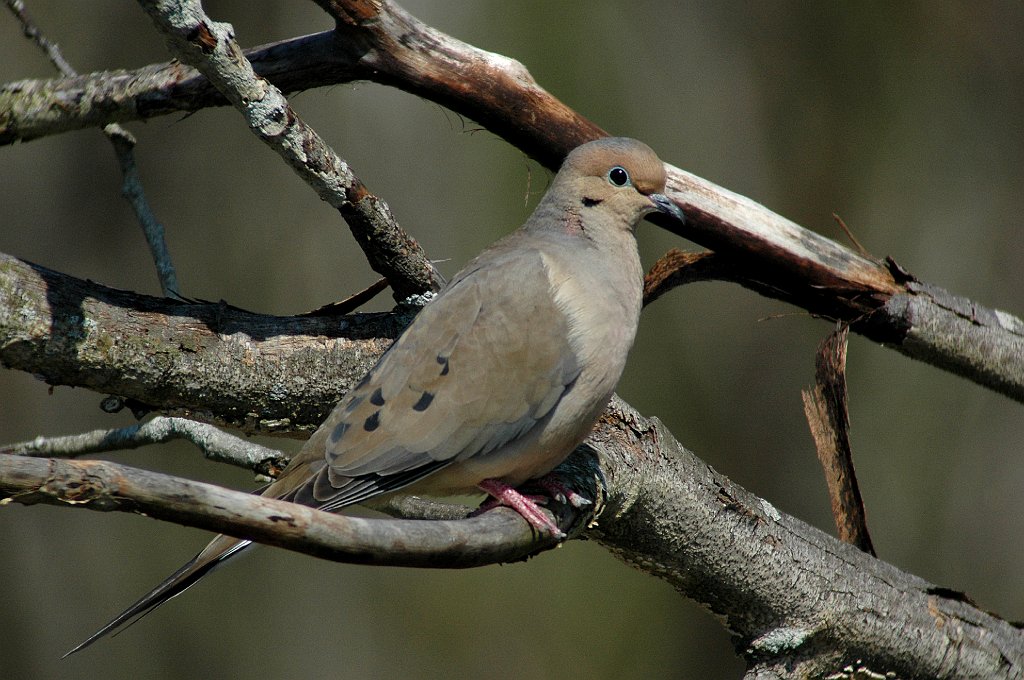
(828, 416)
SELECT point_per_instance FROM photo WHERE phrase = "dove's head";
(617, 178)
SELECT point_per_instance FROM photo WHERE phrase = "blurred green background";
(907, 119)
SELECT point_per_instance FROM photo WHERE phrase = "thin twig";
(352, 302)
(131, 189)
(124, 148)
(216, 445)
(849, 234)
(33, 33)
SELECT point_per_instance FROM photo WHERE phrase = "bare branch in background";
(131, 189)
(124, 145)
(210, 47)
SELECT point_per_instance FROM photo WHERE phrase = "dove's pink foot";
(492, 503)
(526, 506)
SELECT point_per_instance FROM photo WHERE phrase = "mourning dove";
(499, 377)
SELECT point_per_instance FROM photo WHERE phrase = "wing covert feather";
(464, 379)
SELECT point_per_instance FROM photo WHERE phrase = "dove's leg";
(524, 505)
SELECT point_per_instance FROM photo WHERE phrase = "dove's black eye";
(618, 176)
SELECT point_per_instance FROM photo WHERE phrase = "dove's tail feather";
(216, 553)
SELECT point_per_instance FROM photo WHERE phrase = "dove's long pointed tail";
(216, 553)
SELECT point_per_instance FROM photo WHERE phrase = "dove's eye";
(618, 176)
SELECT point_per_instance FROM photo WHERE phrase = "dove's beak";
(664, 204)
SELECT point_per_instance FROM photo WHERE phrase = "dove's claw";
(527, 506)
(561, 493)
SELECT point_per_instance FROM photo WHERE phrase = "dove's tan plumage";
(503, 374)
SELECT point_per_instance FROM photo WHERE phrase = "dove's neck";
(599, 225)
(595, 275)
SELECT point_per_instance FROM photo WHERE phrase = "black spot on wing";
(424, 402)
(373, 422)
(377, 398)
(339, 432)
(443, 360)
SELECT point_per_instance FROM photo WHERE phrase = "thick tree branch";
(209, 362)
(790, 594)
(379, 41)
(784, 588)
(793, 597)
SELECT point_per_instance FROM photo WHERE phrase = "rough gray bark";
(793, 597)
(74, 332)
